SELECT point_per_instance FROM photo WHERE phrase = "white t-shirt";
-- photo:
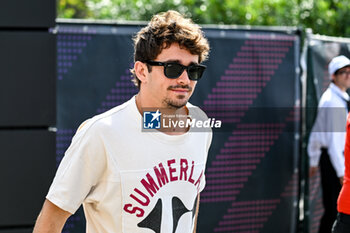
(131, 181)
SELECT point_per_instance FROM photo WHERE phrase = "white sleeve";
(336, 152)
(210, 138)
(315, 140)
(314, 149)
(336, 139)
(80, 170)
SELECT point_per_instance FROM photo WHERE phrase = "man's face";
(161, 91)
(342, 78)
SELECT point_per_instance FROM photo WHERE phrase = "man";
(327, 139)
(129, 180)
(342, 223)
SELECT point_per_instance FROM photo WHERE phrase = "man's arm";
(51, 219)
(196, 215)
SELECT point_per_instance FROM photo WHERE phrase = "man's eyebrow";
(178, 61)
(173, 60)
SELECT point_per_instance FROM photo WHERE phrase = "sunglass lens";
(195, 72)
(173, 70)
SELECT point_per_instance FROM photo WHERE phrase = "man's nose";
(183, 79)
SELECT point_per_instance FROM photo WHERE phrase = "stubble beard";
(175, 104)
(179, 101)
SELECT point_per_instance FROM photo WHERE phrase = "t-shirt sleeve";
(208, 143)
(336, 118)
(80, 170)
(210, 138)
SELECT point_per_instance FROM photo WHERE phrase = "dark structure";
(28, 110)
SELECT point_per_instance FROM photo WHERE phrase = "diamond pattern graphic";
(69, 49)
(120, 93)
(247, 216)
(243, 81)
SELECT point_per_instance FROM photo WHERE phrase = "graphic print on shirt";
(180, 209)
(158, 199)
(154, 219)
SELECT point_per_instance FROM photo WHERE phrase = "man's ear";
(141, 71)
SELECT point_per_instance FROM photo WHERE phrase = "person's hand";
(312, 171)
(341, 180)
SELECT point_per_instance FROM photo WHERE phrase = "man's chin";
(176, 104)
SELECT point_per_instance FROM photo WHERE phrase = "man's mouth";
(180, 89)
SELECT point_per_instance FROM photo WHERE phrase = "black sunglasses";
(173, 70)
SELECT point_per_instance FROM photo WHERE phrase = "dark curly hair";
(163, 30)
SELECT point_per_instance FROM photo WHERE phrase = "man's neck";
(172, 116)
(342, 88)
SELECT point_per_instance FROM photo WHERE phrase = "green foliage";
(73, 9)
(327, 17)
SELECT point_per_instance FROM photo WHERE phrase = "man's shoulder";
(196, 111)
(330, 99)
(109, 117)
(115, 111)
